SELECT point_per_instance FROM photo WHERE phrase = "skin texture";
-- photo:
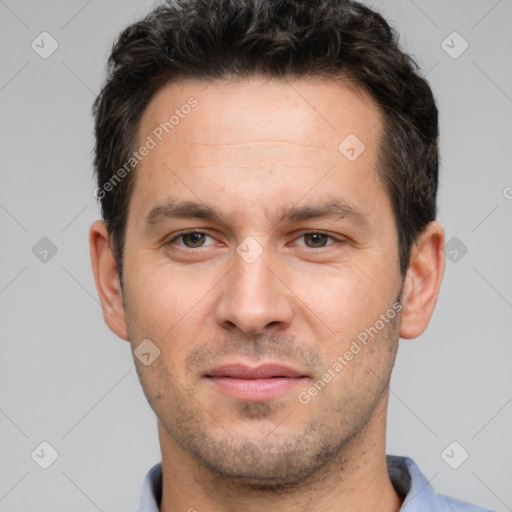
(250, 150)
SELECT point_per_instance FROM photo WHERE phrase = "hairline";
(342, 77)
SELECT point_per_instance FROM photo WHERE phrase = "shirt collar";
(408, 481)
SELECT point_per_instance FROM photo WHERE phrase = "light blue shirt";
(407, 479)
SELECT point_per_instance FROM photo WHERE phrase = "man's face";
(253, 304)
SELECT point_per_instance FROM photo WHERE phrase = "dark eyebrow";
(184, 209)
(333, 209)
(190, 209)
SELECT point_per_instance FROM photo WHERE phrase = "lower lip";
(255, 389)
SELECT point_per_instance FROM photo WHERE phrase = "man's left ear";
(423, 280)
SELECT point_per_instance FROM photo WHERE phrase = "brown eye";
(316, 240)
(193, 240)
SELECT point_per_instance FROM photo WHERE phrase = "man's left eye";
(315, 240)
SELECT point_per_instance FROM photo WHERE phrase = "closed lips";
(259, 372)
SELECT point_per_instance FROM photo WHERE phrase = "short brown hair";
(285, 39)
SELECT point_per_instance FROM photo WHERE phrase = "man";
(267, 172)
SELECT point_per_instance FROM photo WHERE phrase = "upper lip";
(263, 371)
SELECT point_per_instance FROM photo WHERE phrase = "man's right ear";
(106, 277)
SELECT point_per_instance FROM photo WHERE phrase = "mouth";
(255, 383)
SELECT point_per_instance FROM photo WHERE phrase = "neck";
(355, 480)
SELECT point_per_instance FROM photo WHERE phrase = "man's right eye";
(191, 239)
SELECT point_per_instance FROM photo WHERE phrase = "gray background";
(67, 380)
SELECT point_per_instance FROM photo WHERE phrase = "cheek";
(347, 298)
(166, 305)
(161, 289)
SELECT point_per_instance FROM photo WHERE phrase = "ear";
(106, 277)
(423, 280)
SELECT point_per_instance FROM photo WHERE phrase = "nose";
(254, 297)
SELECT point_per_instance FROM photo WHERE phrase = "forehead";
(251, 134)
(280, 110)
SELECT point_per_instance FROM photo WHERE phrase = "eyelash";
(190, 232)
